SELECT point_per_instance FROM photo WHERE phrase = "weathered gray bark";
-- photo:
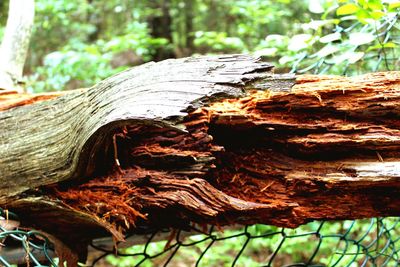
(53, 141)
(15, 43)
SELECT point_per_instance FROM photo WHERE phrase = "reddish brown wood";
(326, 150)
(12, 99)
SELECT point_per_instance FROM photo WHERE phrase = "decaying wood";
(209, 140)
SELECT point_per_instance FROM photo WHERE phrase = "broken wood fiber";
(218, 145)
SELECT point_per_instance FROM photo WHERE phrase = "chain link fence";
(372, 242)
(19, 246)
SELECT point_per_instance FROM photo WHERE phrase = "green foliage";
(272, 29)
(78, 64)
(82, 65)
(353, 37)
(75, 41)
(218, 42)
(70, 49)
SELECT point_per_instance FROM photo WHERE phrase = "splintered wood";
(329, 149)
(12, 99)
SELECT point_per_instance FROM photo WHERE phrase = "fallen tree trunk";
(218, 140)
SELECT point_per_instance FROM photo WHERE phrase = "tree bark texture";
(210, 140)
(15, 43)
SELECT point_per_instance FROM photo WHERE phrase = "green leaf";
(380, 46)
(286, 59)
(299, 42)
(394, 5)
(266, 52)
(390, 45)
(347, 9)
(330, 37)
(327, 50)
(316, 24)
(363, 16)
(348, 56)
(377, 14)
(354, 57)
(314, 6)
(360, 38)
(375, 5)
(363, 3)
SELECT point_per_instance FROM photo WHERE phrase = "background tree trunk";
(189, 16)
(15, 43)
(160, 24)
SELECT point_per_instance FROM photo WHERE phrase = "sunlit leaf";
(299, 42)
(316, 24)
(314, 6)
(355, 56)
(350, 57)
(377, 14)
(380, 46)
(363, 3)
(92, 50)
(327, 50)
(266, 52)
(275, 37)
(331, 8)
(375, 5)
(347, 9)
(394, 5)
(330, 37)
(360, 38)
(363, 16)
(350, 17)
(286, 59)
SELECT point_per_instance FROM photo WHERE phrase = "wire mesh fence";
(369, 242)
(373, 242)
(20, 246)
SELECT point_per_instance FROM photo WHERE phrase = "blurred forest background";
(78, 43)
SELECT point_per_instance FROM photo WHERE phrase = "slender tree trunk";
(189, 25)
(14, 47)
(95, 20)
(212, 16)
(160, 25)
